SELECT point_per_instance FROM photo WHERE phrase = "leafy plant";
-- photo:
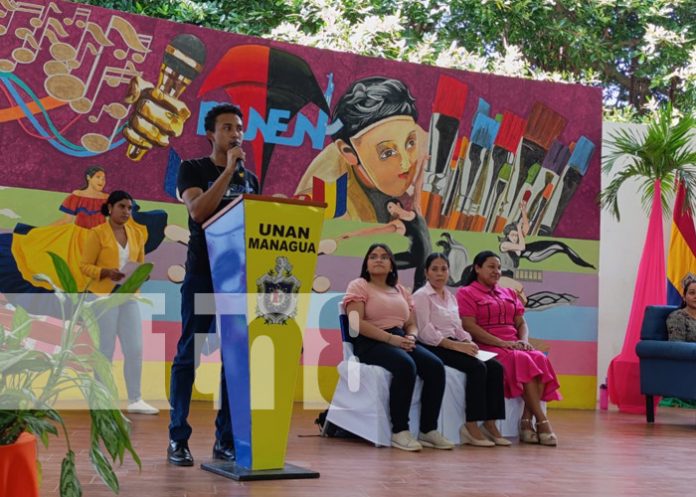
(663, 153)
(31, 381)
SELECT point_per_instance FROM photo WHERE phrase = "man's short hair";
(370, 100)
(213, 113)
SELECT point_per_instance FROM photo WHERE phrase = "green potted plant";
(32, 381)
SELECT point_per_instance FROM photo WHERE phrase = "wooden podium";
(262, 252)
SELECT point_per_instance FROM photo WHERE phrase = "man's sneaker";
(405, 441)
(434, 440)
(141, 407)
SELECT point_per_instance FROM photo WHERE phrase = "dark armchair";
(666, 368)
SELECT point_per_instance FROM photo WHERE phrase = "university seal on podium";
(277, 293)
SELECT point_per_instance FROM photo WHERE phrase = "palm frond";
(609, 197)
(661, 152)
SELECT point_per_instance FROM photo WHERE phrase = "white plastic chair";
(360, 403)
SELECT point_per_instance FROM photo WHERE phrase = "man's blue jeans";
(193, 333)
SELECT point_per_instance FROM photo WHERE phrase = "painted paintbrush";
(482, 138)
(504, 148)
(457, 166)
(501, 183)
(543, 126)
(536, 204)
(501, 221)
(455, 214)
(525, 192)
(543, 205)
(476, 145)
(466, 178)
(555, 159)
(448, 107)
(577, 167)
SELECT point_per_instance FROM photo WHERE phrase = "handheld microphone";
(239, 170)
(240, 162)
(183, 60)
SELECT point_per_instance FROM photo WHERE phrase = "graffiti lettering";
(276, 126)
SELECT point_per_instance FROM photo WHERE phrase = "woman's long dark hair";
(686, 289)
(433, 257)
(114, 197)
(89, 172)
(393, 276)
(479, 261)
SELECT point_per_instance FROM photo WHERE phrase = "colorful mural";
(422, 158)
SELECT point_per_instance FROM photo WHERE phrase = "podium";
(262, 252)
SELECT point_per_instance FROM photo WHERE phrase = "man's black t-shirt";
(202, 173)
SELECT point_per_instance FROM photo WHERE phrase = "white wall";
(620, 249)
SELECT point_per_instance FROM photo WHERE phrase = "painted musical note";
(25, 7)
(7, 65)
(80, 12)
(69, 88)
(113, 77)
(115, 110)
(27, 55)
(146, 40)
(128, 34)
(24, 54)
(98, 143)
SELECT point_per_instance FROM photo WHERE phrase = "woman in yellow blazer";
(109, 247)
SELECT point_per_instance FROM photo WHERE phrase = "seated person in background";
(440, 329)
(387, 338)
(494, 317)
(681, 324)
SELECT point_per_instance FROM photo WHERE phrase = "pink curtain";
(650, 289)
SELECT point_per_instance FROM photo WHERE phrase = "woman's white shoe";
(466, 438)
(435, 440)
(501, 441)
(405, 441)
(141, 407)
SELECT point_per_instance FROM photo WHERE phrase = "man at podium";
(206, 185)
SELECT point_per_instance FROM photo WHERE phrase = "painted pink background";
(31, 162)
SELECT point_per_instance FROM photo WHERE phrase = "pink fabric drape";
(650, 289)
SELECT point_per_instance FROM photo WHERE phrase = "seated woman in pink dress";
(382, 312)
(494, 317)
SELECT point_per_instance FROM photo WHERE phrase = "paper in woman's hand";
(484, 355)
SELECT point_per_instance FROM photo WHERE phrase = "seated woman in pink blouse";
(382, 312)
(440, 330)
(494, 316)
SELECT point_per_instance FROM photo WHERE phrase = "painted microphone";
(158, 113)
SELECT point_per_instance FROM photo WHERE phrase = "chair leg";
(650, 408)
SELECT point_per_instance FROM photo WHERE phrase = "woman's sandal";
(528, 435)
(549, 438)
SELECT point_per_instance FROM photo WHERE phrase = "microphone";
(239, 170)
(240, 162)
(183, 60)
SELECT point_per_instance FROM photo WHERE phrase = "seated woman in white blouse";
(440, 330)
